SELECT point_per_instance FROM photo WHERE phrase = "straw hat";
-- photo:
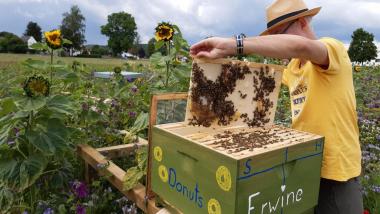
(283, 11)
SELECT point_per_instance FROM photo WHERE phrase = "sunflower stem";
(51, 66)
(30, 122)
(167, 65)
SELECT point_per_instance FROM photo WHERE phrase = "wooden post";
(115, 175)
(152, 121)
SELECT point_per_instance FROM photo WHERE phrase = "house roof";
(25, 38)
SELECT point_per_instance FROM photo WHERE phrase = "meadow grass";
(13, 61)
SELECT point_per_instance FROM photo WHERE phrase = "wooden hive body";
(233, 168)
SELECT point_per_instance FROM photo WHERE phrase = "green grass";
(13, 61)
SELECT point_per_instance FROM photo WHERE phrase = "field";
(40, 133)
(102, 64)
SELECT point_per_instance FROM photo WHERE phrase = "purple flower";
(376, 189)
(85, 106)
(79, 189)
(25, 212)
(129, 79)
(378, 138)
(132, 114)
(49, 211)
(134, 89)
(130, 104)
(80, 209)
(114, 103)
(10, 143)
(17, 131)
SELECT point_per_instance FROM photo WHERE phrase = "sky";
(197, 19)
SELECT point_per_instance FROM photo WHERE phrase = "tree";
(135, 47)
(121, 30)
(152, 49)
(99, 50)
(73, 28)
(141, 52)
(362, 47)
(34, 30)
(10, 43)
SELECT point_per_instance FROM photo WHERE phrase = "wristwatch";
(240, 45)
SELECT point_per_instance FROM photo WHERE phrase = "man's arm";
(288, 46)
(277, 46)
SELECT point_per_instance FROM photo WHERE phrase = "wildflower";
(37, 86)
(94, 197)
(10, 143)
(376, 189)
(49, 211)
(130, 104)
(79, 189)
(17, 132)
(80, 209)
(378, 138)
(129, 79)
(109, 190)
(132, 114)
(103, 165)
(53, 39)
(371, 146)
(164, 32)
(85, 107)
(134, 89)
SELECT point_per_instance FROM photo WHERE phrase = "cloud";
(196, 18)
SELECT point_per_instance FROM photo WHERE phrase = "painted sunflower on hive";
(37, 86)
(53, 39)
(164, 32)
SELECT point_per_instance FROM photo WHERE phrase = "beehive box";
(236, 160)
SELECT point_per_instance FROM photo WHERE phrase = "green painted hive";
(228, 157)
(269, 170)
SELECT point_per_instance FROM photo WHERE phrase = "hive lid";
(232, 93)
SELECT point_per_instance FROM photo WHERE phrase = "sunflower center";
(38, 87)
(165, 31)
(53, 37)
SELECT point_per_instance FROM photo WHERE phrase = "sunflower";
(117, 70)
(164, 31)
(37, 86)
(53, 39)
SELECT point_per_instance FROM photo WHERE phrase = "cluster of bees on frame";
(208, 98)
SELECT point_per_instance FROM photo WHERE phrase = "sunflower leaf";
(66, 42)
(132, 177)
(7, 199)
(20, 174)
(7, 105)
(4, 132)
(39, 46)
(176, 28)
(50, 139)
(141, 122)
(159, 44)
(61, 104)
(35, 64)
(31, 104)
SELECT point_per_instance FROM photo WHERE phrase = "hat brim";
(311, 12)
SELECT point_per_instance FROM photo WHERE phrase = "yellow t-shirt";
(323, 102)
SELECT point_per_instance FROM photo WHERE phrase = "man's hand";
(213, 48)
